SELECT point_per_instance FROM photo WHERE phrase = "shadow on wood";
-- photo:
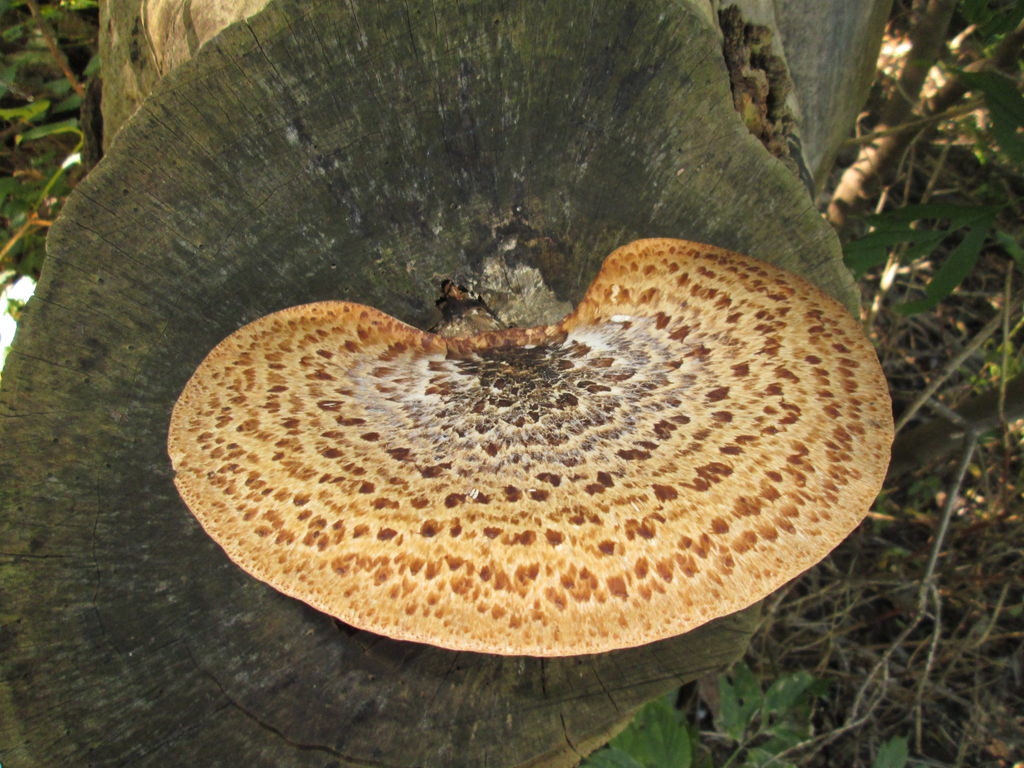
(323, 151)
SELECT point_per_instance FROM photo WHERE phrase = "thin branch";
(875, 683)
(951, 367)
(32, 223)
(876, 159)
(55, 50)
(970, 443)
(922, 122)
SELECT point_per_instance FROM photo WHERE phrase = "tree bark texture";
(357, 152)
(142, 40)
(832, 48)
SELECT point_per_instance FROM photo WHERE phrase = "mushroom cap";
(703, 428)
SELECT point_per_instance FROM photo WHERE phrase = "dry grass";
(918, 626)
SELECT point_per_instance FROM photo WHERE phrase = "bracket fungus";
(703, 428)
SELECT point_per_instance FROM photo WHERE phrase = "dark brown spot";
(719, 393)
(680, 333)
(554, 537)
(430, 528)
(664, 492)
(386, 533)
(525, 538)
(549, 477)
(607, 547)
(436, 470)
(617, 586)
(633, 454)
(556, 597)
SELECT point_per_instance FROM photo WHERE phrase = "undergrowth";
(904, 646)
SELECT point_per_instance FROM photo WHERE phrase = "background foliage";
(904, 647)
(49, 51)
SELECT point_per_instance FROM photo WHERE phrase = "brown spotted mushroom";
(699, 431)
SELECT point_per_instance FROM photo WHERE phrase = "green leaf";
(1012, 247)
(872, 250)
(892, 754)
(1005, 105)
(93, 67)
(784, 693)
(28, 112)
(739, 700)
(71, 103)
(58, 87)
(957, 266)
(657, 737)
(896, 227)
(63, 126)
(610, 757)
(757, 757)
(9, 186)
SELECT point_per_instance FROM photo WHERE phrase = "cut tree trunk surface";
(329, 151)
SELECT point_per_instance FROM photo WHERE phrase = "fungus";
(703, 428)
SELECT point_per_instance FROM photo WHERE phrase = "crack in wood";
(565, 735)
(607, 692)
(256, 718)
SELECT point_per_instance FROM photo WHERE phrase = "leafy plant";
(892, 754)
(758, 726)
(764, 725)
(658, 737)
(904, 227)
(1005, 107)
(40, 96)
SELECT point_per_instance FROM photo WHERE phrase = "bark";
(832, 48)
(141, 41)
(339, 151)
(877, 161)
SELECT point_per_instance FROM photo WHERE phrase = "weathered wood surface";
(362, 153)
(143, 40)
(831, 48)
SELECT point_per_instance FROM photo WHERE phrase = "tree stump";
(339, 151)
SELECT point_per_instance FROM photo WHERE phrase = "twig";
(55, 50)
(1001, 411)
(951, 367)
(877, 159)
(970, 443)
(32, 223)
(881, 668)
(929, 663)
(922, 122)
